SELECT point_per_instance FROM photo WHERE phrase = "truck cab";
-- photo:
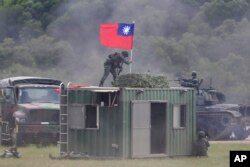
(29, 110)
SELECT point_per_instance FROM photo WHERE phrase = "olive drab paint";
(112, 122)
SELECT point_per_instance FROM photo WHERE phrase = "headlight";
(20, 120)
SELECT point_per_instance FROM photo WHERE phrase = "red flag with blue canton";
(117, 35)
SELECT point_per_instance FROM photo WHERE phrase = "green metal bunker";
(124, 123)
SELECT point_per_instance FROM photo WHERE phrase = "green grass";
(38, 157)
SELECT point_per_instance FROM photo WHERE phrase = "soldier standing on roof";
(114, 64)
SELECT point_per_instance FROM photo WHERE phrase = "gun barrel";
(174, 80)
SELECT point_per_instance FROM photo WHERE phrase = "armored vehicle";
(221, 121)
(29, 110)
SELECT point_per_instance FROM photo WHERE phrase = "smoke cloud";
(151, 19)
(163, 18)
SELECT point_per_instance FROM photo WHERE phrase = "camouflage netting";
(141, 81)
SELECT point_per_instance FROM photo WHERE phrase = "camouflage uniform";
(201, 145)
(193, 82)
(113, 65)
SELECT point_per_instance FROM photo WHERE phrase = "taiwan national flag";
(118, 35)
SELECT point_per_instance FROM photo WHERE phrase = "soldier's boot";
(101, 84)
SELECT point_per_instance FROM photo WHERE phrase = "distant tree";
(196, 3)
(27, 18)
(219, 10)
(225, 29)
(46, 51)
(42, 53)
(9, 24)
(6, 52)
(11, 53)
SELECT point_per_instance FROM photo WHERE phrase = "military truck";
(219, 120)
(29, 110)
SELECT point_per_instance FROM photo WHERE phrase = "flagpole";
(131, 55)
(131, 59)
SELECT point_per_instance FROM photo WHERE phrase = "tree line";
(60, 38)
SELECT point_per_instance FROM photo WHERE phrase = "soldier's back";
(201, 147)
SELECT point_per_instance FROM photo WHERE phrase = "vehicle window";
(46, 95)
(8, 95)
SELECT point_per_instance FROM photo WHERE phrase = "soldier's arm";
(207, 143)
(126, 61)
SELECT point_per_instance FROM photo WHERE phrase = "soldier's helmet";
(125, 53)
(194, 74)
(201, 134)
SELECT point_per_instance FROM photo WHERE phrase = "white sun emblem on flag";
(126, 30)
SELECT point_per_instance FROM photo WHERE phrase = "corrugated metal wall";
(78, 96)
(100, 142)
(113, 138)
(179, 141)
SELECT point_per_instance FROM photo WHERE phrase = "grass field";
(38, 157)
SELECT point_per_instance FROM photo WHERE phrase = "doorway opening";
(158, 128)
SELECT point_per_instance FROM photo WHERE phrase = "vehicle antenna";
(210, 82)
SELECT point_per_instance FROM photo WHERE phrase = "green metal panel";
(100, 142)
(77, 96)
(179, 141)
(113, 138)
